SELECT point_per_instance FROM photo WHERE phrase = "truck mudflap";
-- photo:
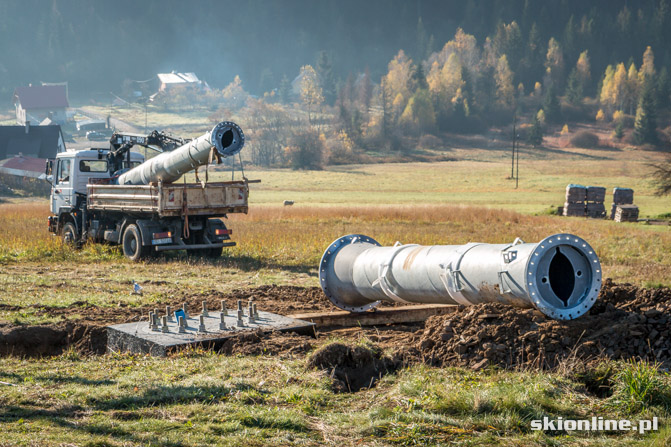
(194, 246)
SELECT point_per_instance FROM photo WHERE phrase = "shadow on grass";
(240, 262)
(64, 416)
(53, 378)
(165, 395)
(17, 379)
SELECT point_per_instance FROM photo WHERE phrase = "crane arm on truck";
(121, 143)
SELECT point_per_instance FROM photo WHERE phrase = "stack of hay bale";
(623, 209)
(576, 196)
(595, 198)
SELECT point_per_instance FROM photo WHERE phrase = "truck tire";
(214, 253)
(131, 244)
(69, 235)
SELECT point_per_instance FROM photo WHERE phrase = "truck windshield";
(93, 166)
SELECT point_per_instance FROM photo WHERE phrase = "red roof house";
(34, 103)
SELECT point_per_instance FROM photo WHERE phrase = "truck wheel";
(214, 253)
(69, 234)
(132, 244)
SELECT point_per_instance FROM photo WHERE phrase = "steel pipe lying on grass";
(560, 275)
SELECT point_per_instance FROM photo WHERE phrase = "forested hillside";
(95, 45)
(335, 81)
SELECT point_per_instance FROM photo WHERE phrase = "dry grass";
(294, 238)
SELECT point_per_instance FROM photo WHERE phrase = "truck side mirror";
(49, 166)
(48, 169)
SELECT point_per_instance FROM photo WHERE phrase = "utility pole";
(512, 167)
(517, 177)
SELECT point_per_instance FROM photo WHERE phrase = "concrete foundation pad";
(141, 339)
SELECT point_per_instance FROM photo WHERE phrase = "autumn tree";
(583, 69)
(554, 62)
(234, 95)
(578, 79)
(648, 66)
(398, 82)
(306, 150)
(310, 91)
(505, 92)
(419, 115)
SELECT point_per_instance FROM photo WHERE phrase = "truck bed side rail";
(172, 199)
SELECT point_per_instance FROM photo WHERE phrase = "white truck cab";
(73, 170)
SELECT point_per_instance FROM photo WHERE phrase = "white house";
(171, 80)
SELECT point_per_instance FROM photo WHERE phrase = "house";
(23, 166)
(171, 80)
(35, 103)
(31, 141)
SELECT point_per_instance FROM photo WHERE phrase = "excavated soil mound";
(267, 343)
(352, 367)
(51, 340)
(626, 322)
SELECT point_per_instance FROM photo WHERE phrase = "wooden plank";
(380, 316)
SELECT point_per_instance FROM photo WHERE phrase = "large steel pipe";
(560, 276)
(226, 138)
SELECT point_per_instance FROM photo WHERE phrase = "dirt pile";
(353, 368)
(267, 343)
(626, 322)
(52, 340)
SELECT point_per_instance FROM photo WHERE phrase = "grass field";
(203, 399)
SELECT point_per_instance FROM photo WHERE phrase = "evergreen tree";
(619, 130)
(645, 127)
(574, 92)
(663, 90)
(419, 78)
(424, 43)
(551, 106)
(284, 91)
(535, 135)
(365, 90)
(326, 79)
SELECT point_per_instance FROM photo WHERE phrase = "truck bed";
(213, 199)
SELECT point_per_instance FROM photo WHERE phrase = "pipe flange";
(228, 138)
(327, 259)
(591, 289)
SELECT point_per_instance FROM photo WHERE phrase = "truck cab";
(71, 171)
